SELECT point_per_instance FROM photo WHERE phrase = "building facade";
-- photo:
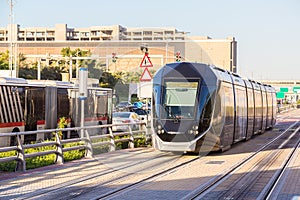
(162, 43)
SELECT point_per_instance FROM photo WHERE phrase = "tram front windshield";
(179, 99)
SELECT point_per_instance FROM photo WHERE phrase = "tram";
(28, 105)
(198, 107)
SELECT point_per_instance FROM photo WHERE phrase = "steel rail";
(199, 192)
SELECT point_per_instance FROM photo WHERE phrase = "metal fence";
(86, 142)
(286, 107)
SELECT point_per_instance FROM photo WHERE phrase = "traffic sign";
(284, 89)
(296, 89)
(146, 62)
(280, 95)
(146, 76)
(178, 56)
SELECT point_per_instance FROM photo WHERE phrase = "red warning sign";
(146, 62)
(146, 75)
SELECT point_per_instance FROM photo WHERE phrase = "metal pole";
(166, 61)
(71, 69)
(107, 63)
(39, 70)
(77, 68)
(10, 39)
(82, 119)
(83, 79)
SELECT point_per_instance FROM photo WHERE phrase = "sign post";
(146, 62)
(145, 86)
(83, 79)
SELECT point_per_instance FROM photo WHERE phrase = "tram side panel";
(274, 107)
(258, 109)
(226, 136)
(270, 107)
(250, 109)
(240, 114)
(264, 108)
(11, 112)
(51, 110)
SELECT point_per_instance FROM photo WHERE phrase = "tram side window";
(264, 101)
(89, 106)
(250, 103)
(269, 99)
(35, 107)
(229, 105)
(101, 105)
(258, 103)
(63, 103)
(241, 111)
(156, 104)
(207, 96)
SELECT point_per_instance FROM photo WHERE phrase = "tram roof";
(8, 80)
(211, 74)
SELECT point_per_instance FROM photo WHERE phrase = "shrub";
(41, 161)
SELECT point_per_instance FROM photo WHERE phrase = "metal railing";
(286, 107)
(86, 142)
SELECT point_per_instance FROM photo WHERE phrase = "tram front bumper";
(174, 146)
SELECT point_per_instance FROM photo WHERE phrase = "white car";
(123, 118)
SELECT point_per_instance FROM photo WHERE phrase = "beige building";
(163, 43)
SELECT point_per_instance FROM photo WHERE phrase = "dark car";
(143, 115)
(123, 106)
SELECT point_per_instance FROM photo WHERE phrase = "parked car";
(143, 114)
(123, 106)
(123, 118)
(137, 105)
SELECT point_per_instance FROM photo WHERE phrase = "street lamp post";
(10, 38)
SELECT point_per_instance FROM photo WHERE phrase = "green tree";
(51, 73)
(4, 60)
(109, 80)
(94, 68)
(27, 72)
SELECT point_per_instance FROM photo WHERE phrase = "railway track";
(257, 176)
(145, 173)
(97, 185)
(250, 170)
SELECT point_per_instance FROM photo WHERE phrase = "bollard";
(59, 150)
(112, 140)
(21, 162)
(131, 139)
(88, 146)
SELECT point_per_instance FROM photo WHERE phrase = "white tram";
(36, 105)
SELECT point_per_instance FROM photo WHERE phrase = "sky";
(267, 31)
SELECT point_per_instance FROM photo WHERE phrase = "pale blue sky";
(267, 31)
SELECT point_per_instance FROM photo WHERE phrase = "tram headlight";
(159, 127)
(194, 132)
(160, 131)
